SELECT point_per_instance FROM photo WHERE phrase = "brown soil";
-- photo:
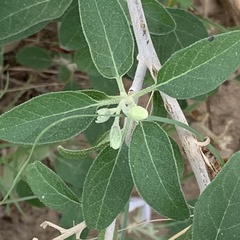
(17, 226)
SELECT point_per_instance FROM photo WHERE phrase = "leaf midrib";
(149, 152)
(108, 184)
(51, 116)
(107, 40)
(51, 187)
(194, 68)
(29, 26)
(229, 200)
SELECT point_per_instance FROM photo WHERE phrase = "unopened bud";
(115, 137)
(138, 113)
(104, 114)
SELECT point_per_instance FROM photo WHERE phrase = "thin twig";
(65, 233)
(109, 233)
(138, 78)
(138, 225)
(180, 233)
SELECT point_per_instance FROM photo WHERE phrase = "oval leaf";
(158, 19)
(65, 75)
(72, 171)
(201, 67)
(108, 35)
(18, 19)
(24, 123)
(34, 57)
(217, 211)
(23, 190)
(154, 171)
(188, 29)
(158, 108)
(23, 34)
(109, 86)
(85, 63)
(50, 189)
(1, 58)
(107, 187)
(70, 33)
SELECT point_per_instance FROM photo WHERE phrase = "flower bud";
(138, 113)
(115, 136)
(104, 114)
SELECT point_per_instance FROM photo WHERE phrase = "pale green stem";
(120, 85)
(20, 199)
(145, 91)
(5, 87)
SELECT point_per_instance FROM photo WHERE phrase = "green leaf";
(24, 190)
(154, 171)
(95, 130)
(204, 96)
(71, 86)
(74, 4)
(70, 33)
(158, 19)
(1, 59)
(188, 29)
(69, 153)
(18, 36)
(96, 95)
(71, 37)
(158, 108)
(186, 3)
(108, 35)
(34, 57)
(84, 61)
(64, 74)
(58, 114)
(73, 171)
(50, 189)
(217, 211)
(109, 86)
(201, 67)
(23, 18)
(107, 187)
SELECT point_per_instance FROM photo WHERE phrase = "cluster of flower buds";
(130, 109)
